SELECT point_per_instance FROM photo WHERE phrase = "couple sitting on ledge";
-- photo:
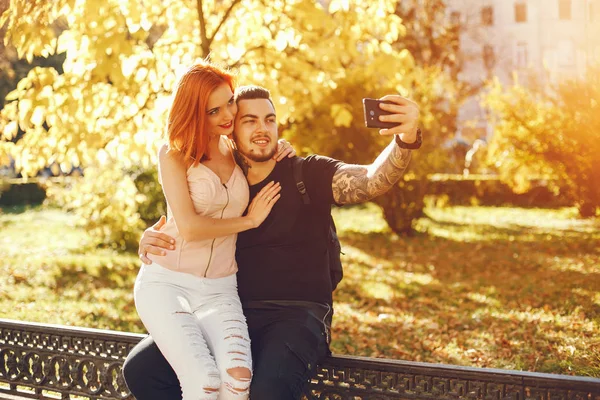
(235, 288)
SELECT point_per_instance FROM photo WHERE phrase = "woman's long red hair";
(186, 128)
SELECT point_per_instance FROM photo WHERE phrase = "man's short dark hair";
(252, 92)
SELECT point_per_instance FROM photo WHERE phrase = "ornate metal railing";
(49, 361)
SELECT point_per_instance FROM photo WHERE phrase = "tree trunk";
(587, 209)
(204, 41)
(403, 204)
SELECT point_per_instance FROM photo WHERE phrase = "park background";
(485, 254)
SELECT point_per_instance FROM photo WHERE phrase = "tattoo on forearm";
(360, 183)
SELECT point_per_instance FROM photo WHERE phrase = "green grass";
(54, 275)
(488, 287)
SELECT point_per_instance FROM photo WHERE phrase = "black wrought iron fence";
(49, 361)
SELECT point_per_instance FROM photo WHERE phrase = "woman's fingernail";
(171, 247)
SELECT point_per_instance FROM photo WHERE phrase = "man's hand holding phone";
(394, 115)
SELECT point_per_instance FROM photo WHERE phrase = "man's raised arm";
(359, 183)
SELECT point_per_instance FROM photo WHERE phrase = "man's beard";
(259, 157)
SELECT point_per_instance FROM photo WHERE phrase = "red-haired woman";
(187, 298)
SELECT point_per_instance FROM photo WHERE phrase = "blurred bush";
(154, 204)
(550, 131)
(484, 190)
(113, 205)
(107, 203)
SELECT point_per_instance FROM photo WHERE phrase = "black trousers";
(287, 343)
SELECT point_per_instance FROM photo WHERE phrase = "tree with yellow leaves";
(106, 111)
(552, 132)
(421, 63)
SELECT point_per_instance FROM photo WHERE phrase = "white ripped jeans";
(198, 325)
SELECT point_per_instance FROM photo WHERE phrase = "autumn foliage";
(104, 107)
(553, 133)
(106, 110)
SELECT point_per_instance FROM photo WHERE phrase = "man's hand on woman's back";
(155, 242)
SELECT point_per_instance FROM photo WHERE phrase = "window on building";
(455, 17)
(489, 58)
(591, 10)
(520, 12)
(521, 55)
(487, 16)
(564, 9)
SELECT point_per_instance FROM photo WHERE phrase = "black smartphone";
(372, 113)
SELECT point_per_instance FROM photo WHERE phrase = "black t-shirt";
(285, 258)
